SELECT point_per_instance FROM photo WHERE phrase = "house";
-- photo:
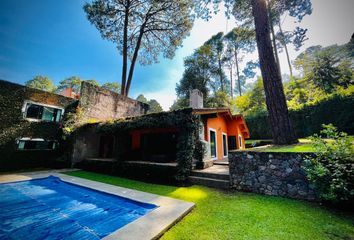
(31, 121)
(161, 138)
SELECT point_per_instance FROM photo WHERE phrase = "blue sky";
(54, 38)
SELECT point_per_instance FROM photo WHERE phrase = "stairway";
(215, 176)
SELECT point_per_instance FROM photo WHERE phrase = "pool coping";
(150, 226)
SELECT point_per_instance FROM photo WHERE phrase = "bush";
(338, 109)
(330, 169)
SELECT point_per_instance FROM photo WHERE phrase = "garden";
(236, 215)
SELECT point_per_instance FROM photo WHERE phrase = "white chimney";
(196, 99)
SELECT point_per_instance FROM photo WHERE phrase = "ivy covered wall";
(13, 126)
(184, 120)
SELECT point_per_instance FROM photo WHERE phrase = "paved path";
(215, 169)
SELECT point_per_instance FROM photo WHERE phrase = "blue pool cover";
(50, 208)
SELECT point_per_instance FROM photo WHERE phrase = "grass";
(235, 215)
(304, 145)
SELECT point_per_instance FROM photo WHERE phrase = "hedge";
(338, 110)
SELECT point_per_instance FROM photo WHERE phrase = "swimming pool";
(50, 208)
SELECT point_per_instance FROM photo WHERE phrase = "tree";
(239, 40)
(155, 106)
(327, 68)
(41, 83)
(180, 103)
(112, 86)
(282, 130)
(196, 74)
(142, 98)
(141, 29)
(217, 50)
(93, 82)
(253, 101)
(276, 9)
(73, 82)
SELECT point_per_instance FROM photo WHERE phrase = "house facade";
(156, 138)
(31, 121)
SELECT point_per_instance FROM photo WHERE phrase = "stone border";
(271, 173)
(149, 226)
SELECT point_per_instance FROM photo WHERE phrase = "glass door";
(212, 143)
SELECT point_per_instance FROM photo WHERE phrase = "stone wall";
(101, 104)
(278, 174)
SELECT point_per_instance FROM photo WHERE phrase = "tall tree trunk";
(282, 131)
(220, 73)
(286, 51)
(271, 25)
(238, 74)
(135, 56)
(125, 51)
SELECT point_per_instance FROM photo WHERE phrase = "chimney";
(196, 99)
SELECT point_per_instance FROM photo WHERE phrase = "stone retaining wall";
(278, 174)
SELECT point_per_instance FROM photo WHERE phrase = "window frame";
(216, 143)
(227, 145)
(26, 106)
(240, 141)
(24, 139)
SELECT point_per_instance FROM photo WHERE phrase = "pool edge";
(150, 226)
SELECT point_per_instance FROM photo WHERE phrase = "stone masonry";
(278, 174)
(101, 104)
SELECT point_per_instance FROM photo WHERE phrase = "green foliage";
(93, 82)
(336, 109)
(253, 101)
(180, 103)
(184, 120)
(331, 168)
(154, 106)
(112, 86)
(13, 126)
(41, 83)
(142, 98)
(73, 82)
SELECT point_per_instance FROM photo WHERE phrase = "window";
(212, 140)
(36, 144)
(231, 141)
(224, 144)
(35, 111)
(240, 141)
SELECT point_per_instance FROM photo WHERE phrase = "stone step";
(210, 182)
(210, 175)
(221, 163)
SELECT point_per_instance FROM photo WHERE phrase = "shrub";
(337, 109)
(330, 169)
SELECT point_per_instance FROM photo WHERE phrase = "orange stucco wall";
(221, 125)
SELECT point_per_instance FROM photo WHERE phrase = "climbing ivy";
(13, 126)
(183, 119)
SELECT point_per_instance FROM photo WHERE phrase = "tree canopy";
(112, 86)
(141, 30)
(73, 82)
(42, 83)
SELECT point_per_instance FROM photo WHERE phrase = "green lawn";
(304, 145)
(223, 215)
